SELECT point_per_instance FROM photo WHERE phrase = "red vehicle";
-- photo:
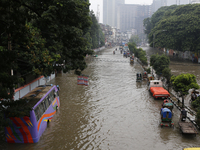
(157, 90)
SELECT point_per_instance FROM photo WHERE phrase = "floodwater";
(178, 65)
(113, 113)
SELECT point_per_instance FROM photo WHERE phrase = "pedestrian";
(183, 114)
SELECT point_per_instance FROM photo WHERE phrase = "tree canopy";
(183, 82)
(35, 35)
(175, 27)
(159, 63)
(139, 53)
(135, 39)
(97, 37)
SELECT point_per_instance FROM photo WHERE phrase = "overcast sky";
(94, 4)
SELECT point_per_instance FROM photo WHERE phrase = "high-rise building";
(183, 2)
(110, 11)
(194, 1)
(157, 4)
(172, 2)
(177, 2)
(130, 17)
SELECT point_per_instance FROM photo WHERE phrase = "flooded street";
(178, 65)
(113, 113)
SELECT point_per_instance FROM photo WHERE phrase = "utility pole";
(11, 71)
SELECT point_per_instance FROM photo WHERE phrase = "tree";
(182, 83)
(41, 34)
(153, 59)
(166, 73)
(147, 25)
(132, 47)
(159, 63)
(176, 27)
(162, 13)
(135, 39)
(96, 34)
(68, 23)
(196, 105)
(139, 53)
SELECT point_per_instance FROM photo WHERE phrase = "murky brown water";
(113, 113)
(179, 66)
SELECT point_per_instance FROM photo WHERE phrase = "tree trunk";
(183, 102)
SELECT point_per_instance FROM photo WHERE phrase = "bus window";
(41, 108)
(46, 102)
(51, 96)
(48, 98)
(44, 105)
(37, 113)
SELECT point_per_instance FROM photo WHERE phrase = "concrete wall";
(22, 91)
(99, 49)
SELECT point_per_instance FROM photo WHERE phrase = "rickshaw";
(150, 77)
(144, 75)
(166, 118)
(167, 104)
(125, 54)
(139, 77)
(131, 59)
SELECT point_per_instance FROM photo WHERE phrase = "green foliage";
(16, 108)
(176, 27)
(97, 37)
(183, 82)
(9, 108)
(159, 63)
(198, 117)
(132, 47)
(196, 103)
(147, 25)
(153, 59)
(162, 13)
(42, 34)
(139, 53)
(148, 70)
(166, 73)
(135, 39)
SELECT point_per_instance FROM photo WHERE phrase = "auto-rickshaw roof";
(166, 110)
(168, 104)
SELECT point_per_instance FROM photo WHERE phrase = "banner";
(82, 80)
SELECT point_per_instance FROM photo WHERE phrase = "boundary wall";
(99, 49)
(23, 90)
